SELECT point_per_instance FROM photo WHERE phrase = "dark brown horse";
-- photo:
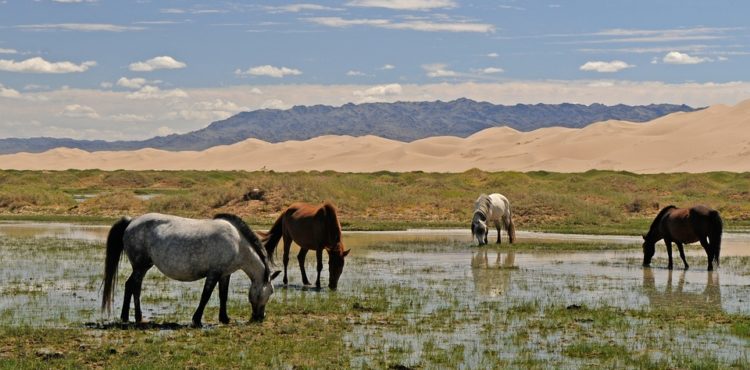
(313, 227)
(682, 226)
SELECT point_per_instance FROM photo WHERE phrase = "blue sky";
(123, 70)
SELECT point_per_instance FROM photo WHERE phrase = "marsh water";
(451, 290)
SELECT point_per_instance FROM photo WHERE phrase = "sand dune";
(713, 139)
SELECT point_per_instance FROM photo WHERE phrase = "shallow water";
(449, 288)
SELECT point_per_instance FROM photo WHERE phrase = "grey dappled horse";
(493, 208)
(187, 250)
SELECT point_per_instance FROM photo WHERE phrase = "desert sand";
(713, 139)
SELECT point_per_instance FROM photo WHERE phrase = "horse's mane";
(332, 224)
(482, 206)
(658, 218)
(248, 234)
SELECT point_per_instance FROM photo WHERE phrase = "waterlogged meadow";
(420, 299)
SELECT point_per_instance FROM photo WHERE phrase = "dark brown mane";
(653, 230)
(333, 227)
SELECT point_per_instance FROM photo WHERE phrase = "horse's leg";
(486, 232)
(498, 227)
(319, 256)
(707, 248)
(668, 242)
(682, 254)
(287, 246)
(137, 284)
(301, 259)
(124, 315)
(208, 288)
(223, 293)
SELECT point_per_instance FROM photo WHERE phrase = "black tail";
(272, 237)
(715, 236)
(112, 261)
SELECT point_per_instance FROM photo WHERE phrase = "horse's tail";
(333, 227)
(511, 228)
(271, 238)
(715, 235)
(115, 247)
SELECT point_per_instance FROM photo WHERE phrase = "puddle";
(469, 305)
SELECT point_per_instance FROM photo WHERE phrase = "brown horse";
(311, 227)
(681, 226)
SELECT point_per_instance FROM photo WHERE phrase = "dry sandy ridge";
(713, 139)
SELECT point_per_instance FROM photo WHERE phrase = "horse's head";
(336, 264)
(649, 248)
(479, 230)
(260, 292)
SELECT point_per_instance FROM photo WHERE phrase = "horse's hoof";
(197, 325)
(224, 320)
(669, 267)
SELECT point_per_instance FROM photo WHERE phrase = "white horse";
(187, 250)
(492, 208)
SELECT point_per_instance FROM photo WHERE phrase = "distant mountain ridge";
(403, 121)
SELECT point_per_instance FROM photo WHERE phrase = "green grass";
(597, 202)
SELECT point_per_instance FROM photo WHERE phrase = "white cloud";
(355, 73)
(414, 25)
(269, 70)
(379, 91)
(79, 111)
(8, 51)
(273, 104)
(73, 1)
(339, 22)
(36, 87)
(605, 67)
(493, 55)
(83, 27)
(164, 131)
(7, 92)
(39, 65)
(106, 85)
(491, 70)
(161, 62)
(211, 110)
(135, 83)
(438, 70)
(427, 26)
(296, 8)
(675, 57)
(387, 67)
(153, 92)
(404, 4)
(172, 11)
(130, 117)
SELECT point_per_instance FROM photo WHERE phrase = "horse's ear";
(345, 253)
(275, 274)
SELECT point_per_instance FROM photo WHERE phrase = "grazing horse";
(311, 227)
(682, 226)
(492, 208)
(187, 250)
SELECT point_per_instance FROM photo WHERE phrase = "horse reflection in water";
(492, 278)
(675, 297)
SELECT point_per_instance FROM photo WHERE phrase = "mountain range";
(402, 121)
